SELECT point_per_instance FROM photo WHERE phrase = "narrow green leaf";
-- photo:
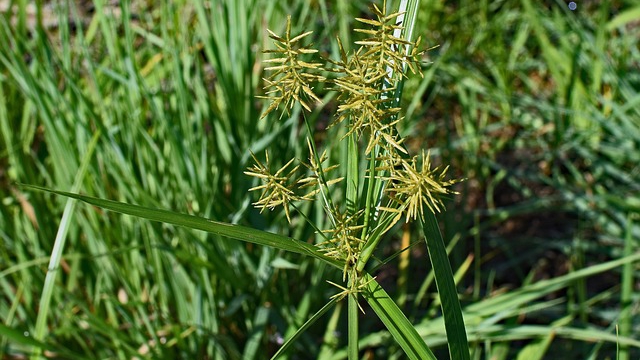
(451, 310)
(19, 337)
(529, 293)
(626, 293)
(252, 349)
(58, 247)
(537, 349)
(237, 232)
(304, 327)
(396, 322)
(624, 18)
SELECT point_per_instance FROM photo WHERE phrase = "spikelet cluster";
(292, 77)
(414, 185)
(345, 241)
(282, 188)
(366, 81)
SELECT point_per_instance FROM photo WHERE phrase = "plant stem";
(353, 323)
(369, 199)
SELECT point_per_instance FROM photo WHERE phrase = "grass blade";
(396, 322)
(451, 310)
(58, 248)
(21, 338)
(237, 232)
(304, 327)
(626, 301)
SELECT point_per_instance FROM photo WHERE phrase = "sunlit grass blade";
(624, 18)
(451, 310)
(520, 332)
(237, 232)
(58, 246)
(396, 322)
(252, 349)
(539, 347)
(526, 294)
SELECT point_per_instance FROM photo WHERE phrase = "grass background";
(534, 104)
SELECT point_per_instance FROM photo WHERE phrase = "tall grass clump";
(529, 99)
(149, 83)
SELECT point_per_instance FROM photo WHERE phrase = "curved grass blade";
(237, 232)
(304, 327)
(396, 322)
(451, 310)
(18, 337)
(58, 248)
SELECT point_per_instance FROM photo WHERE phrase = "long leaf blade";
(451, 310)
(396, 322)
(233, 231)
(304, 327)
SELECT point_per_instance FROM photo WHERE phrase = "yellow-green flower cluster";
(366, 81)
(414, 185)
(292, 77)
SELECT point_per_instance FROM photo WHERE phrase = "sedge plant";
(362, 204)
(394, 187)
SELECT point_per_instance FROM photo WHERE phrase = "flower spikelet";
(345, 242)
(357, 285)
(317, 178)
(277, 189)
(415, 187)
(391, 52)
(292, 77)
(367, 80)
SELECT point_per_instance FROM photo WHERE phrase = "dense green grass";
(535, 105)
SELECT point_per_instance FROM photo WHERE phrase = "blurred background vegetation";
(535, 105)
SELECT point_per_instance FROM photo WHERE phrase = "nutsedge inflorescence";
(366, 80)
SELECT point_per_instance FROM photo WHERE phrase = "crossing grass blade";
(452, 312)
(232, 231)
(386, 309)
(396, 322)
(58, 248)
(304, 327)
(19, 337)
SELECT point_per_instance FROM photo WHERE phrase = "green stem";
(370, 187)
(322, 183)
(352, 174)
(353, 322)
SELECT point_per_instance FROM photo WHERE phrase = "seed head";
(277, 189)
(292, 77)
(413, 187)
